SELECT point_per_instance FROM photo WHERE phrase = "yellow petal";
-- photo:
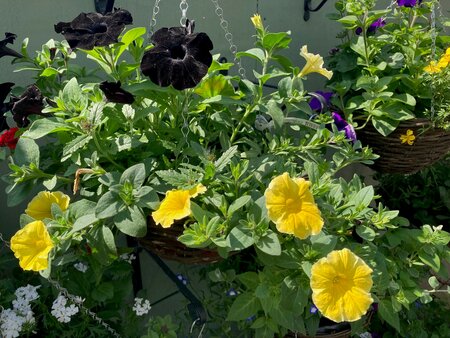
(314, 64)
(197, 190)
(40, 206)
(31, 246)
(341, 284)
(290, 205)
(176, 205)
(257, 21)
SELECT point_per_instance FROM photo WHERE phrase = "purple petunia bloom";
(313, 309)
(373, 26)
(320, 100)
(341, 124)
(408, 3)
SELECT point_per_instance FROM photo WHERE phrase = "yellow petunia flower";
(314, 64)
(40, 206)
(433, 67)
(197, 190)
(290, 205)
(408, 137)
(444, 60)
(341, 284)
(176, 205)
(257, 21)
(31, 246)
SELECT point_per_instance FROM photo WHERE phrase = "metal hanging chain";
(183, 7)
(433, 53)
(155, 12)
(79, 303)
(228, 37)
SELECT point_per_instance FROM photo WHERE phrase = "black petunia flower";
(29, 103)
(9, 38)
(89, 30)
(180, 58)
(114, 93)
(5, 88)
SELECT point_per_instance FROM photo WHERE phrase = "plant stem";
(105, 154)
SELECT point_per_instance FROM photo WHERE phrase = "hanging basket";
(164, 243)
(336, 331)
(430, 145)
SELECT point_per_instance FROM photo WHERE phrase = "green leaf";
(42, 127)
(83, 222)
(434, 283)
(128, 38)
(255, 53)
(103, 292)
(269, 244)
(135, 175)
(244, 306)
(225, 158)
(131, 221)
(108, 205)
(385, 126)
(74, 145)
(387, 312)
(249, 279)
(366, 233)
(363, 197)
(432, 260)
(27, 151)
(276, 113)
(72, 91)
(239, 239)
(238, 204)
(50, 183)
(273, 41)
(47, 72)
(212, 226)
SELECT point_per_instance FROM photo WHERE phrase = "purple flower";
(373, 26)
(408, 3)
(341, 124)
(250, 319)
(375, 307)
(320, 100)
(313, 309)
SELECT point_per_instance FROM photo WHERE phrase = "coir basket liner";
(164, 243)
(430, 145)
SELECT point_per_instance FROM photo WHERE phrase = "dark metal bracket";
(104, 6)
(307, 8)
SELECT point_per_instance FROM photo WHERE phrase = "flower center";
(178, 52)
(293, 205)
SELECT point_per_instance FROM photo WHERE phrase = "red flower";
(8, 139)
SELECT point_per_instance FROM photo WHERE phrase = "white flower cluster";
(62, 312)
(81, 267)
(141, 306)
(128, 257)
(13, 320)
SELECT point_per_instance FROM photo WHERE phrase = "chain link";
(183, 7)
(228, 37)
(79, 302)
(155, 12)
(433, 53)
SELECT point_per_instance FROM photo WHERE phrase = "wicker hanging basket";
(430, 145)
(164, 243)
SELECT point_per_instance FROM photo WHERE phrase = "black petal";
(29, 103)
(114, 93)
(4, 50)
(89, 30)
(5, 88)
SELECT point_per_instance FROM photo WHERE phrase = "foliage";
(232, 137)
(378, 77)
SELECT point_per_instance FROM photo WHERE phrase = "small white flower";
(81, 267)
(21, 306)
(10, 323)
(141, 306)
(366, 335)
(27, 293)
(128, 257)
(62, 312)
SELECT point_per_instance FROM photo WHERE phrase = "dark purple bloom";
(320, 100)
(375, 307)
(9, 38)
(29, 103)
(5, 88)
(408, 3)
(89, 30)
(373, 26)
(180, 58)
(341, 124)
(114, 93)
